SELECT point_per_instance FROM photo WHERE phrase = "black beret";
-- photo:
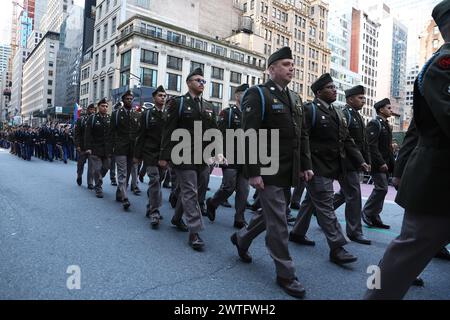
(128, 93)
(159, 89)
(321, 82)
(196, 72)
(91, 106)
(102, 101)
(242, 88)
(357, 90)
(382, 103)
(283, 53)
(441, 12)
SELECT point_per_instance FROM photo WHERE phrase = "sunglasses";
(200, 81)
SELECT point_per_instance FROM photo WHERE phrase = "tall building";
(339, 42)
(39, 72)
(415, 15)
(55, 15)
(69, 58)
(411, 76)
(5, 54)
(269, 25)
(391, 74)
(364, 56)
(430, 41)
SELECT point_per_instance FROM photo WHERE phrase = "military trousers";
(350, 194)
(82, 158)
(192, 184)
(232, 181)
(125, 166)
(112, 170)
(272, 219)
(320, 199)
(154, 192)
(422, 236)
(374, 204)
(100, 166)
(298, 191)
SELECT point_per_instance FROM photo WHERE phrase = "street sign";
(58, 109)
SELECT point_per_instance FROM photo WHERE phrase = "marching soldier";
(148, 147)
(274, 106)
(379, 135)
(96, 143)
(183, 112)
(79, 144)
(233, 176)
(123, 133)
(424, 188)
(350, 194)
(330, 145)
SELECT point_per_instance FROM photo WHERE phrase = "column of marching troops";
(47, 142)
(318, 144)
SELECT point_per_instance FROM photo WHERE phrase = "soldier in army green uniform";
(233, 176)
(122, 134)
(81, 150)
(331, 146)
(379, 135)
(273, 106)
(148, 147)
(183, 113)
(96, 142)
(424, 188)
(352, 199)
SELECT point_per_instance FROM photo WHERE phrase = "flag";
(76, 112)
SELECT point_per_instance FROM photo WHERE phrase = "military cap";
(128, 93)
(242, 88)
(102, 101)
(441, 12)
(196, 72)
(382, 103)
(321, 82)
(91, 106)
(354, 91)
(159, 89)
(283, 53)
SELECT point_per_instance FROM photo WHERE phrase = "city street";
(48, 223)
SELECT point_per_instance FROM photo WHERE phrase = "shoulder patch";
(444, 63)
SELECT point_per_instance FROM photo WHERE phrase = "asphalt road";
(48, 223)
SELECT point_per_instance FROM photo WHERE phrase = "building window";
(176, 37)
(102, 88)
(195, 65)
(235, 77)
(103, 58)
(105, 32)
(50, 63)
(50, 73)
(149, 57)
(125, 60)
(111, 53)
(173, 82)
(110, 86)
(96, 62)
(174, 63)
(50, 82)
(221, 51)
(98, 36)
(232, 92)
(149, 77)
(217, 73)
(113, 25)
(49, 92)
(216, 90)
(124, 78)
(95, 90)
